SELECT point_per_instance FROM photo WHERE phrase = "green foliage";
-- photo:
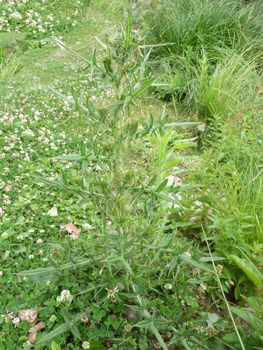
(9, 65)
(117, 192)
(139, 272)
(40, 19)
(214, 58)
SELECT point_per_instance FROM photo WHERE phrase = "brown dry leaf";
(72, 229)
(107, 343)
(32, 334)
(7, 188)
(29, 315)
(157, 346)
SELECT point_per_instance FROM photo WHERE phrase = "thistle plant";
(120, 194)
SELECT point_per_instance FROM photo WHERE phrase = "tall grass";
(215, 53)
(210, 92)
(109, 5)
(206, 24)
(10, 64)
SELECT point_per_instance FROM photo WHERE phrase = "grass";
(87, 288)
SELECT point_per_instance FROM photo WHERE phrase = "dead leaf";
(72, 229)
(32, 334)
(107, 343)
(29, 315)
(157, 346)
(7, 188)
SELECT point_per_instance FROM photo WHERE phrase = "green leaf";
(145, 85)
(96, 345)
(166, 311)
(23, 337)
(7, 252)
(250, 270)
(70, 322)
(61, 329)
(152, 181)
(128, 33)
(215, 344)
(64, 178)
(231, 338)
(192, 262)
(168, 199)
(112, 258)
(48, 182)
(74, 94)
(211, 318)
(50, 269)
(82, 149)
(252, 320)
(162, 186)
(73, 156)
(55, 346)
(144, 324)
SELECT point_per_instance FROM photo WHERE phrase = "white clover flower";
(45, 259)
(85, 345)
(87, 227)
(39, 240)
(27, 345)
(111, 293)
(16, 321)
(41, 252)
(4, 235)
(25, 278)
(168, 286)
(53, 318)
(1, 273)
(65, 296)
(31, 256)
(200, 329)
(20, 237)
(202, 288)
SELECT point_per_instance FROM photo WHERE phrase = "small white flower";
(31, 256)
(188, 254)
(4, 235)
(111, 293)
(87, 227)
(27, 345)
(31, 231)
(86, 345)
(25, 278)
(53, 318)
(202, 288)
(45, 259)
(1, 273)
(59, 298)
(20, 237)
(40, 252)
(16, 321)
(48, 283)
(168, 286)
